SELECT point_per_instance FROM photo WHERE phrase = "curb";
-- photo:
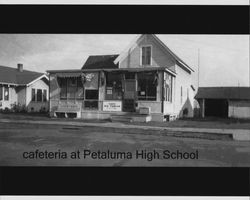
(235, 134)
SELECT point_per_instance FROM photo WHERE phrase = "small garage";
(224, 102)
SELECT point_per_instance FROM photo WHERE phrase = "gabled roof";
(101, 62)
(133, 44)
(233, 93)
(11, 75)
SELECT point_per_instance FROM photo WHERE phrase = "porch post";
(162, 92)
(101, 89)
(203, 108)
(49, 95)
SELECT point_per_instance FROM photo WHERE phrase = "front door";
(129, 95)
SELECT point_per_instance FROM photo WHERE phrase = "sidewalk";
(236, 134)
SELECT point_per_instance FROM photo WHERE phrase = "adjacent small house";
(23, 89)
(224, 101)
(147, 78)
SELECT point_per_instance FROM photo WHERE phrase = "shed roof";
(11, 75)
(233, 93)
(101, 62)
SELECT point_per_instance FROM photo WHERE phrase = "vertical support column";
(136, 87)
(98, 87)
(101, 89)
(158, 87)
(1, 97)
(49, 104)
(162, 92)
(203, 108)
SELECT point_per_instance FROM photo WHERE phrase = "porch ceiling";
(134, 70)
(68, 75)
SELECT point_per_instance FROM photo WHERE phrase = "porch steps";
(131, 118)
(121, 118)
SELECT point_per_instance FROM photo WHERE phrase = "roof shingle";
(13, 76)
(101, 62)
(233, 93)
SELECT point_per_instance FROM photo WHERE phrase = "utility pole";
(198, 68)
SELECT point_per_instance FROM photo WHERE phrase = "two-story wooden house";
(147, 79)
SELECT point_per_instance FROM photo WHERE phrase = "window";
(147, 84)
(91, 99)
(72, 82)
(79, 90)
(63, 88)
(146, 55)
(168, 88)
(6, 93)
(44, 95)
(91, 94)
(70, 88)
(129, 75)
(33, 95)
(39, 95)
(113, 86)
(1, 93)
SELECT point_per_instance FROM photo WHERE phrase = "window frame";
(37, 95)
(88, 101)
(168, 96)
(67, 85)
(6, 88)
(151, 53)
(44, 95)
(117, 90)
(146, 97)
(33, 89)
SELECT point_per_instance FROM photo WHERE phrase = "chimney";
(20, 67)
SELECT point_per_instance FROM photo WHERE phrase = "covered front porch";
(102, 94)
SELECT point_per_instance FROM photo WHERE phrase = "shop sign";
(112, 106)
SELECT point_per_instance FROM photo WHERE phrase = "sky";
(224, 59)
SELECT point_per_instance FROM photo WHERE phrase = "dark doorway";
(216, 108)
(129, 96)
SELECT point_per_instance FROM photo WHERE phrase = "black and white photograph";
(167, 100)
(124, 99)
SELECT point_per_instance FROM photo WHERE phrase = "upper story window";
(146, 54)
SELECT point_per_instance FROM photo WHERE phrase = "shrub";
(18, 108)
(6, 110)
(43, 110)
